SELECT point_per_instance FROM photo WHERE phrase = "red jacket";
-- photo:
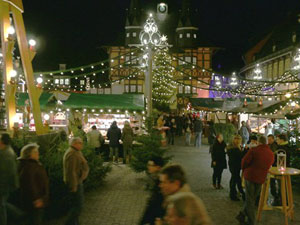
(256, 164)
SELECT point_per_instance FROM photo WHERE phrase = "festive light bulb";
(288, 95)
(32, 42)
(39, 80)
(46, 117)
(13, 73)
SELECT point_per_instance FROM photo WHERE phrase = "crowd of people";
(28, 175)
(182, 125)
(249, 159)
(171, 201)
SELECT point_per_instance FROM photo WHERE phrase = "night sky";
(73, 32)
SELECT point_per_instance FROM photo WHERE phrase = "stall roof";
(44, 99)
(212, 104)
(104, 101)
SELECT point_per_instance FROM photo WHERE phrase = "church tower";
(133, 24)
(186, 32)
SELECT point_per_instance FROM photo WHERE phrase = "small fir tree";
(150, 146)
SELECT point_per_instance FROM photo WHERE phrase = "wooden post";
(16, 8)
(7, 44)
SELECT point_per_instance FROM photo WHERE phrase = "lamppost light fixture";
(11, 30)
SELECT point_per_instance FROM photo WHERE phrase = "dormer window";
(180, 35)
(195, 36)
(134, 34)
(128, 35)
(188, 35)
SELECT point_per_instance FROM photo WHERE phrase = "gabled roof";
(280, 38)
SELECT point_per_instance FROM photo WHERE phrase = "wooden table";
(286, 192)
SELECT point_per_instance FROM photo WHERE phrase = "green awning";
(22, 97)
(103, 101)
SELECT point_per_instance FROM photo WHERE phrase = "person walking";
(34, 184)
(188, 127)
(171, 133)
(244, 133)
(235, 156)
(186, 209)
(154, 207)
(218, 161)
(173, 181)
(8, 175)
(76, 170)
(94, 139)
(198, 127)
(127, 139)
(255, 165)
(114, 136)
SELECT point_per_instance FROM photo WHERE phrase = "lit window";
(134, 34)
(67, 81)
(180, 89)
(61, 81)
(56, 81)
(180, 35)
(195, 35)
(127, 59)
(194, 60)
(188, 59)
(180, 60)
(187, 89)
(194, 90)
(132, 88)
(82, 82)
(126, 88)
(188, 35)
(140, 88)
(128, 34)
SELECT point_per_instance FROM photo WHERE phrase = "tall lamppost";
(150, 38)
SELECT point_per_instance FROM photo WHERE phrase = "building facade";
(274, 54)
(191, 58)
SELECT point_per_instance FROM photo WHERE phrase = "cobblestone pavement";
(120, 201)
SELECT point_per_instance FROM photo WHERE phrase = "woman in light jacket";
(127, 138)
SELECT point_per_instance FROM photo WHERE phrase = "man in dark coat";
(218, 161)
(114, 135)
(154, 208)
(8, 176)
(198, 127)
(255, 165)
(34, 184)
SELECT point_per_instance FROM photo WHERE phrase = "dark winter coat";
(256, 164)
(198, 126)
(218, 155)
(34, 183)
(235, 156)
(8, 171)
(114, 135)
(127, 136)
(154, 207)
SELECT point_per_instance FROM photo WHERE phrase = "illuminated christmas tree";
(164, 86)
